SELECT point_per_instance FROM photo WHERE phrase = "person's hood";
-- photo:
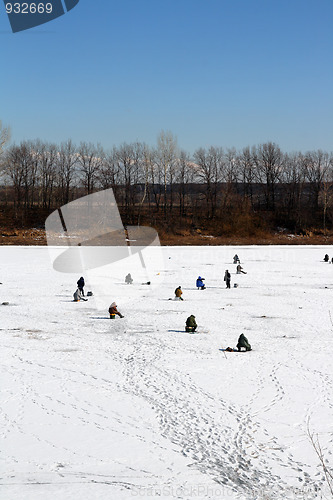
(113, 304)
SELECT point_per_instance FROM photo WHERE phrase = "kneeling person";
(179, 293)
(113, 311)
(243, 342)
(191, 324)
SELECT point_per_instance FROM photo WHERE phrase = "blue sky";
(229, 73)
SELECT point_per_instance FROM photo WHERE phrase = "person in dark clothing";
(239, 269)
(128, 279)
(80, 285)
(191, 324)
(227, 278)
(113, 311)
(179, 293)
(236, 259)
(243, 343)
(326, 258)
(200, 283)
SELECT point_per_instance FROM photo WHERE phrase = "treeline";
(223, 191)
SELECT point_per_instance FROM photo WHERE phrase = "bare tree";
(48, 154)
(156, 180)
(166, 156)
(146, 164)
(14, 170)
(22, 169)
(108, 175)
(326, 193)
(245, 169)
(268, 158)
(67, 162)
(124, 156)
(210, 170)
(184, 176)
(89, 161)
(316, 164)
(293, 178)
(4, 138)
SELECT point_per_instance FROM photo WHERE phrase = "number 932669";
(25, 8)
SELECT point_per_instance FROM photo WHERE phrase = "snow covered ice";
(137, 408)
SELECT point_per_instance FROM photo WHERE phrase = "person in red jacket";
(113, 311)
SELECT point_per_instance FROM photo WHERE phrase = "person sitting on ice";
(243, 343)
(239, 269)
(236, 259)
(179, 293)
(78, 296)
(128, 279)
(326, 258)
(200, 283)
(113, 311)
(80, 285)
(191, 324)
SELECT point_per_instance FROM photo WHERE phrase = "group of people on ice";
(191, 324)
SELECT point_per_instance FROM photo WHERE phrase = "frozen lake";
(136, 407)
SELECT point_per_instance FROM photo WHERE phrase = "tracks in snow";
(217, 436)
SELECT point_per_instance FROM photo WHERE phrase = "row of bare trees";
(166, 180)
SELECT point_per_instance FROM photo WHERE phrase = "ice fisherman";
(128, 279)
(80, 285)
(113, 311)
(78, 296)
(179, 293)
(227, 278)
(236, 259)
(243, 342)
(200, 283)
(326, 258)
(239, 269)
(191, 324)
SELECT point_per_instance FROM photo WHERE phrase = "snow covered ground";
(137, 408)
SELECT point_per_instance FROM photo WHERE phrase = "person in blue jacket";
(200, 283)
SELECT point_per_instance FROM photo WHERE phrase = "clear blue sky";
(213, 72)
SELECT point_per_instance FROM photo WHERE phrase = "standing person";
(113, 311)
(227, 278)
(191, 324)
(200, 283)
(243, 342)
(179, 293)
(80, 285)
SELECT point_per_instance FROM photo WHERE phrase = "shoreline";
(37, 237)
